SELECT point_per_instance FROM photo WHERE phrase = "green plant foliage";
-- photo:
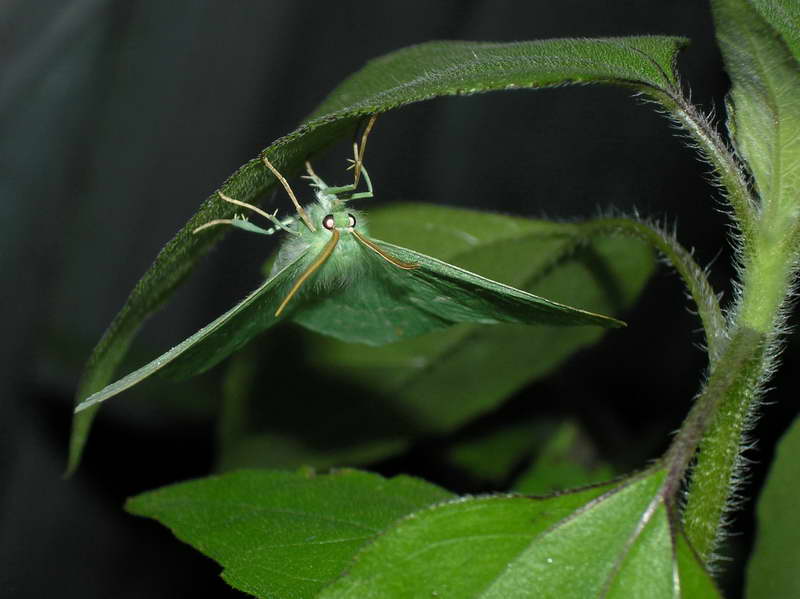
(567, 461)
(352, 534)
(410, 75)
(766, 84)
(281, 534)
(450, 68)
(492, 456)
(610, 541)
(772, 571)
(784, 17)
(417, 376)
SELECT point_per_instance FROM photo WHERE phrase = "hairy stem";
(717, 424)
(694, 277)
(728, 171)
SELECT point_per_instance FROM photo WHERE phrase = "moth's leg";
(300, 212)
(364, 194)
(240, 223)
(358, 152)
(315, 178)
(357, 165)
(284, 222)
(278, 223)
(351, 187)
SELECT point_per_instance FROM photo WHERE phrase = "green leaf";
(784, 17)
(281, 534)
(558, 453)
(772, 571)
(259, 429)
(567, 461)
(610, 541)
(410, 75)
(353, 534)
(416, 378)
(453, 68)
(765, 119)
(493, 455)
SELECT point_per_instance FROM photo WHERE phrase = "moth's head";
(340, 219)
(339, 216)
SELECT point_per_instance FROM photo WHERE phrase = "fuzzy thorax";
(347, 261)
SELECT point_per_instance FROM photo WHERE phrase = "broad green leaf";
(567, 461)
(281, 534)
(772, 571)
(417, 377)
(765, 119)
(454, 68)
(612, 541)
(410, 75)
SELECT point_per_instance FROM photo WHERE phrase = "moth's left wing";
(215, 341)
(389, 303)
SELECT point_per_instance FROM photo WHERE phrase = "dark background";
(117, 118)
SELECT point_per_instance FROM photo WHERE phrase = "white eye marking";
(328, 222)
(351, 220)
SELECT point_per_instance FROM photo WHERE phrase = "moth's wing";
(387, 304)
(215, 341)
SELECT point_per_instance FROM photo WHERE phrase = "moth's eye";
(351, 220)
(328, 222)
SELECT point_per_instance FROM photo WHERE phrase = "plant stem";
(729, 172)
(717, 423)
(694, 277)
(743, 353)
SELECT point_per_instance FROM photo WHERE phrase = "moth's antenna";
(297, 206)
(319, 261)
(358, 151)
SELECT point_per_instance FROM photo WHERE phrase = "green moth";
(330, 276)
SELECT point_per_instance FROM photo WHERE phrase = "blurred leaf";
(281, 534)
(409, 75)
(393, 394)
(568, 461)
(492, 456)
(266, 423)
(421, 377)
(772, 571)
